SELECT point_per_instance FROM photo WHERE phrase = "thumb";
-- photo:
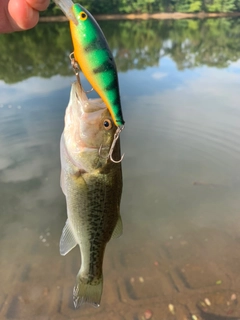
(21, 15)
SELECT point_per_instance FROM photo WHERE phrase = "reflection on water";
(135, 44)
(180, 206)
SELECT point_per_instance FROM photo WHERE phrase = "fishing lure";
(92, 53)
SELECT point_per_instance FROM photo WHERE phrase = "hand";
(16, 15)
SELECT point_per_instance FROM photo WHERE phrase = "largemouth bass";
(92, 186)
(94, 56)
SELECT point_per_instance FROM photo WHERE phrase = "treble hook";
(116, 136)
(76, 70)
(75, 67)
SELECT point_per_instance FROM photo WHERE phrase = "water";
(179, 84)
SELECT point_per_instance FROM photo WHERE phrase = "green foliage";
(151, 6)
(138, 6)
(222, 6)
(195, 6)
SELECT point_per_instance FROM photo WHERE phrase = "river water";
(179, 255)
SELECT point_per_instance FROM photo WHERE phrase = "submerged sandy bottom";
(171, 269)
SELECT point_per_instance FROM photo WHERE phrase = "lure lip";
(66, 7)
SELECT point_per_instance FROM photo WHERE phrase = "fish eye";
(107, 124)
(82, 16)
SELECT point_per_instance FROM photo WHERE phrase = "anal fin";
(67, 241)
(118, 230)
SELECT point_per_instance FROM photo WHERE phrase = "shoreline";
(146, 16)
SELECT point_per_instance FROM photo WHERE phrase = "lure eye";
(82, 16)
(107, 124)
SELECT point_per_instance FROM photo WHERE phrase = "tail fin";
(87, 293)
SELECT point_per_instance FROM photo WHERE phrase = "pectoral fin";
(67, 241)
(118, 230)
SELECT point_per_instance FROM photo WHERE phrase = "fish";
(92, 185)
(93, 55)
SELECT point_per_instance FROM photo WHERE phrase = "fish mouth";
(88, 105)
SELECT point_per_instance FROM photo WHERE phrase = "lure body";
(95, 59)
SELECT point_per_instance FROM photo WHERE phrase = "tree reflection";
(44, 51)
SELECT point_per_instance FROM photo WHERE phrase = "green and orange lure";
(92, 53)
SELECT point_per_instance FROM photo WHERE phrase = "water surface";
(179, 85)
